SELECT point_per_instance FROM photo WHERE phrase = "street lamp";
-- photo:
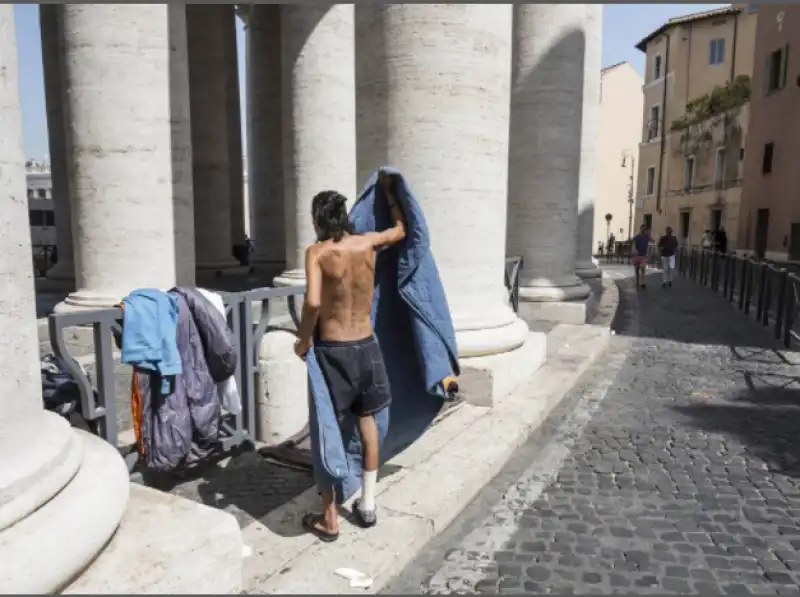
(625, 157)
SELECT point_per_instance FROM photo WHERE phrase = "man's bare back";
(348, 280)
(340, 275)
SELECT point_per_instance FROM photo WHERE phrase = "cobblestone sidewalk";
(672, 467)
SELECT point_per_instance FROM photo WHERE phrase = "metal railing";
(100, 406)
(762, 290)
(107, 328)
(513, 269)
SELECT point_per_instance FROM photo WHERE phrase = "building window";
(719, 170)
(49, 218)
(766, 162)
(41, 193)
(688, 174)
(653, 125)
(37, 217)
(648, 221)
(651, 180)
(716, 51)
(657, 67)
(776, 69)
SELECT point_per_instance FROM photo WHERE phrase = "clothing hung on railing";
(176, 404)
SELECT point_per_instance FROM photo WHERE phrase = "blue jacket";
(150, 321)
(413, 325)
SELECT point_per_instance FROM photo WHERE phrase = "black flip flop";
(310, 522)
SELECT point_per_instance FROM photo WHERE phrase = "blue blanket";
(412, 322)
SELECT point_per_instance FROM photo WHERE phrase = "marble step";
(167, 545)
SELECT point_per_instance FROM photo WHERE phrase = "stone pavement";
(673, 466)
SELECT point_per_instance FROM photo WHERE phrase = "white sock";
(368, 485)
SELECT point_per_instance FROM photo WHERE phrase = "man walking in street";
(641, 243)
(667, 246)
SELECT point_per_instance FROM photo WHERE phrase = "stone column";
(208, 81)
(234, 111)
(125, 149)
(587, 190)
(44, 485)
(318, 106)
(433, 95)
(265, 171)
(20, 382)
(544, 164)
(181, 122)
(49, 21)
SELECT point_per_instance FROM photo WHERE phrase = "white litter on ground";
(358, 580)
(247, 551)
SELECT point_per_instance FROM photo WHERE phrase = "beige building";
(770, 221)
(619, 132)
(695, 121)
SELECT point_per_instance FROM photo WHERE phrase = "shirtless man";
(340, 278)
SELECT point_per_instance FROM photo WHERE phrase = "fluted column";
(433, 95)
(265, 162)
(587, 191)
(49, 22)
(208, 82)
(545, 146)
(318, 104)
(126, 150)
(234, 135)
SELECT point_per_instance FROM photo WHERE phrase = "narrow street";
(673, 466)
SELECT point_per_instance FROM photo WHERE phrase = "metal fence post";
(782, 289)
(767, 296)
(762, 282)
(748, 292)
(790, 310)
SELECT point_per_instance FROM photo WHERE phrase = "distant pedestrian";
(641, 244)
(667, 245)
(706, 243)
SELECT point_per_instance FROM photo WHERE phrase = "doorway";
(762, 229)
(683, 228)
(716, 220)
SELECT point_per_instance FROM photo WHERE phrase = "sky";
(623, 26)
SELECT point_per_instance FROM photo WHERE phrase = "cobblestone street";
(671, 467)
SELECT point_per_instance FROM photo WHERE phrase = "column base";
(221, 268)
(587, 270)
(562, 303)
(292, 277)
(485, 380)
(88, 299)
(487, 341)
(74, 525)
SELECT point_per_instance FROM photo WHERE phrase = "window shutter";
(784, 65)
(711, 52)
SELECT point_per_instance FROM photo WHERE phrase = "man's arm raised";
(397, 232)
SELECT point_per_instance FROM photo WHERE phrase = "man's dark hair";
(329, 211)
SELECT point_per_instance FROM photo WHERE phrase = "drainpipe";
(662, 124)
(733, 47)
